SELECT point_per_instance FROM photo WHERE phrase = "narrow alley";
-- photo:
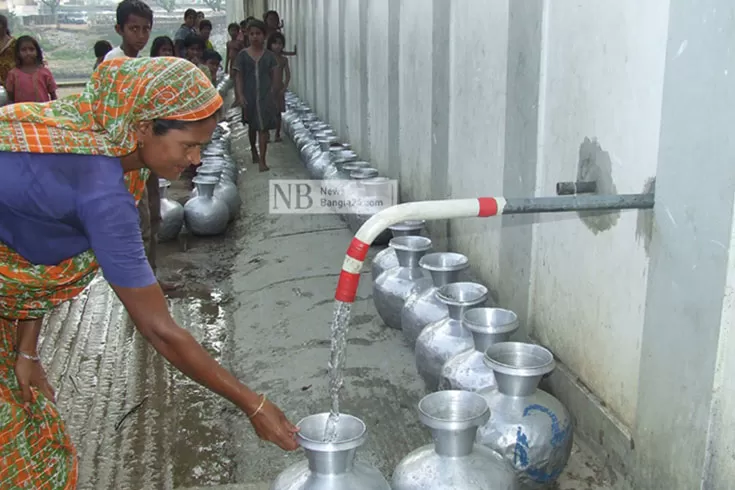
(260, 300)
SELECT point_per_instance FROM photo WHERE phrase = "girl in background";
(255, 69)
(276, 42)
(162, 46)
(30, 81)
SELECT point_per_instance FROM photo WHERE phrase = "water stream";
(338, 336)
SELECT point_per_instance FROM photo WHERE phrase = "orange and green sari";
(35, 449)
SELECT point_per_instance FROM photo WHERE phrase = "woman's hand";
(271, 425)
(31, 373)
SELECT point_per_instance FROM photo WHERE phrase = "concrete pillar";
(683, 425)
(319, 25)
(335, 65)
(476, 122)
(415, 98)
(383, 109)
(525, 21)
(356, 75)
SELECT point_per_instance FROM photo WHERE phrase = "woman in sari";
(7, 50)
(73, 170)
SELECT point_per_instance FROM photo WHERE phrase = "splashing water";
(338, 334)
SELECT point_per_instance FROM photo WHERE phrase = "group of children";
(134, 23)
(257, 61)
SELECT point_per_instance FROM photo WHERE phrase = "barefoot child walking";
(276, 42)
(255, 69)
(30, 81)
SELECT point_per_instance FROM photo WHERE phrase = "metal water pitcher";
(394, 286)
(206, 214)
(386, 258)
(529, 427)
(424, 307)
(454, 460)
(467, 370)
(442, 340)
(331, 465)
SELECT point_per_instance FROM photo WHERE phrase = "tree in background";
(215, 5)
(167, 5)
(53, 6)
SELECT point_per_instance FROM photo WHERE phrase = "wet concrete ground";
(260, 299)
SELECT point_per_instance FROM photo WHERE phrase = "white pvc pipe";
(426, 210)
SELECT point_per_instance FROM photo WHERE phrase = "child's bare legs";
(253, 135)
(263, 149)
(278, 127)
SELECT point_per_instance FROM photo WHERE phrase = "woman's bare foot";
(256, 158)
(278, 138)
(264, 168)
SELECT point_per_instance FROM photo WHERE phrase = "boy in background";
(134, 23)
(186, 30)
(101, 48)
(194, 46)
(211, 60)
(234, 45)
(205, 30)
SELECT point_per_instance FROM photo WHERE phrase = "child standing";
(212, 60)
(101, 48)
(234, 45)
(194, 45)
(134, 22)
(162, 46)
(30, 81)
(255, 69)
(276, 42)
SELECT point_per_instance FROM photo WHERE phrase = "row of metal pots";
(492, 427)
(462, 344)
(362, 190)
(215, 199)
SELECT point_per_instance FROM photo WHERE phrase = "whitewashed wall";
(463, 98)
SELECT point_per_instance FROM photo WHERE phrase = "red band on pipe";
(358, 249)
(347, 287)
(488, 207)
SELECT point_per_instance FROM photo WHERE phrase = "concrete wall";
(467, 97)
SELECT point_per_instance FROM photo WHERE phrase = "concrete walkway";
(265, 314)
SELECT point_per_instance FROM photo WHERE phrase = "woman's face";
(169, 154)
(272, 21)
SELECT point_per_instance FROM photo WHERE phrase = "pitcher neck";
(205, 190)
(331, 463)
(456, 311)
(409, 258)
(513, 385)
(484, 340)
(454, 443)
(442, 278)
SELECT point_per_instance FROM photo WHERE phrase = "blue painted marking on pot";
(558, 437)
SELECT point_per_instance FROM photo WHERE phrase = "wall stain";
(644, 223)
(595, 164)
